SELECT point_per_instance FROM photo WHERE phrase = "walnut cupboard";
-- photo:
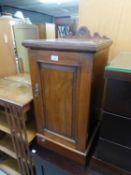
(67, 83)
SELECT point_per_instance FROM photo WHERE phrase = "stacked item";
(114, 145)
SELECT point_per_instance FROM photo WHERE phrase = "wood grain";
(59, 112)
(63, 89)
(110, 18)
(15, 92)
(84, 44)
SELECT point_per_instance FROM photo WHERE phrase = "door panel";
(62, 91)
(59, 85)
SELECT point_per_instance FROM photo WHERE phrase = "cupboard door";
(59, 84)
(61, 96)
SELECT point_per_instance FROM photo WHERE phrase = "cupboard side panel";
(35, 79)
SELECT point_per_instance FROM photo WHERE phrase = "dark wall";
(34, 16)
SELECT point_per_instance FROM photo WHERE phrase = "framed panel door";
(59, 84)
(62, 97)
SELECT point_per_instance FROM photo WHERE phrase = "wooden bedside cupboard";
(66, 76)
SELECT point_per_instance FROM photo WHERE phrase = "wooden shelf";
(6, 146)
(17, 91)
(5, 128)
(10, 167)
(14, 92)
(22, 78)
(31, 132)
(3, 123)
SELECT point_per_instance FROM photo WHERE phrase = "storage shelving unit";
(16, 124)
(6, 146)
(3, 123)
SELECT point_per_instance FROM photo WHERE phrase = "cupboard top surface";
(90, 44)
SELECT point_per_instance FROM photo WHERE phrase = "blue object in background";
(35, 17)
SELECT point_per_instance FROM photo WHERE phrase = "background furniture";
(11, 37)
(16, 124)
(64, 75)
(47, 31)
(7, 55)
(114, 145)
(23, 32)
(65, 26)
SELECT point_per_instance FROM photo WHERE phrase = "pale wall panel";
(7, 54)
(111, 18)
